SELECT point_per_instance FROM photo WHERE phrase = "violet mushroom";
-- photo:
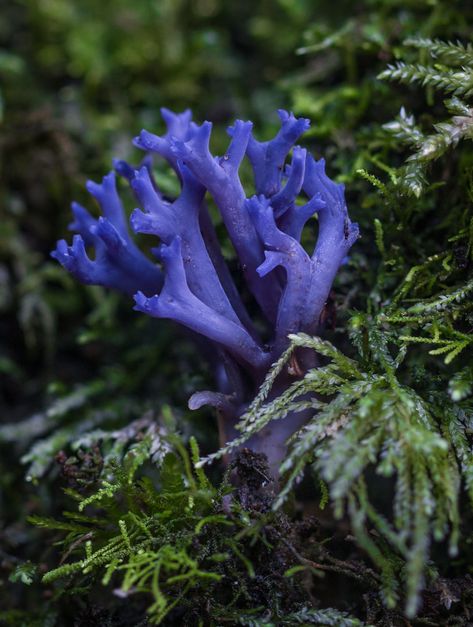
(191, 283)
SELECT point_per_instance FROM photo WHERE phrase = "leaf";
(24, 573)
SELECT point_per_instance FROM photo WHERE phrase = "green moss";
(387, 84)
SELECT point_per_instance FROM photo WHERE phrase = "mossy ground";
(85, 382)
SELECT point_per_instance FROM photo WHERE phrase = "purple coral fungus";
(190, 283)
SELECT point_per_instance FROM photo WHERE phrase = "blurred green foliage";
(79, 370)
